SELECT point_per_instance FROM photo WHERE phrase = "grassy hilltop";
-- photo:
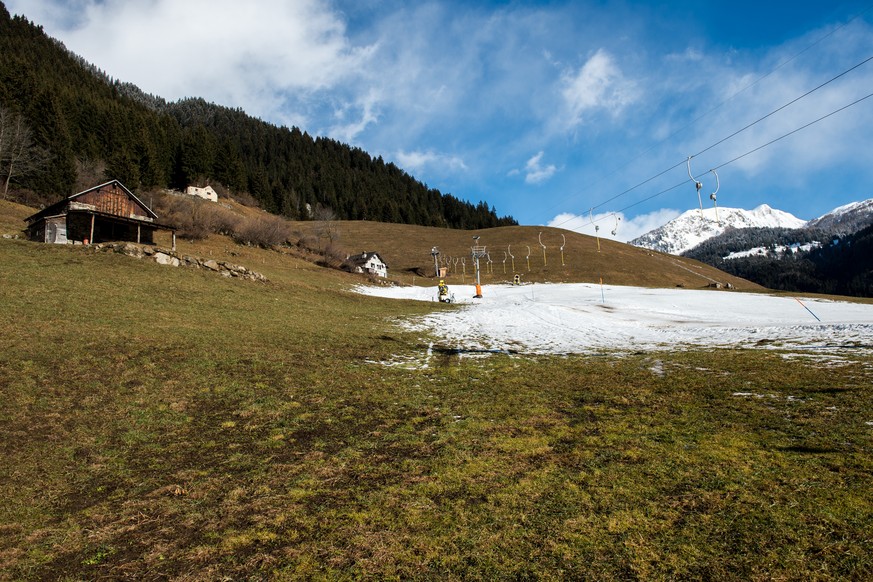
(169, 423)
(407, 250)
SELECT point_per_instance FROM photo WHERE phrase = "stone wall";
(164, 256)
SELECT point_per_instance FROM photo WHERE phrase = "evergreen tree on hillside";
(842, 265)
(82, 117)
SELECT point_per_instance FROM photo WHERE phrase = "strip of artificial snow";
(585, 318)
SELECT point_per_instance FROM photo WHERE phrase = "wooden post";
(138, 233)
(174, 240)
(91, 240)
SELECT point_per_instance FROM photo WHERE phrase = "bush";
(265, 231)
(193, 218)
(335, 259)
(30, 198)
(245, 199)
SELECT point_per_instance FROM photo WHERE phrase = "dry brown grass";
(407, 250)
(12, 217)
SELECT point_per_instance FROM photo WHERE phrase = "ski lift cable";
(658, 175)
(715, 108)
(777, 110)
(792, 132)
(734, 134)
(741, 156)
(646, 199)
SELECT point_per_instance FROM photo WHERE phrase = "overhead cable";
(752, 151)
(734, 134)
(719, 105)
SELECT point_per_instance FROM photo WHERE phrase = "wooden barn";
(108, 212)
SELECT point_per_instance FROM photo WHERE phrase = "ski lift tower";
(478, 252)
(435, 252)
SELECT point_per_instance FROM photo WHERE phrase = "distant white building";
(369, 262)
(206, 193)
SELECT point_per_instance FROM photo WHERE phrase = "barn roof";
(59, 205)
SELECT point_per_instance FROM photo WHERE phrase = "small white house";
(207, 193)
(369, 262)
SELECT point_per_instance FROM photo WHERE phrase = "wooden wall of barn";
(113, 200)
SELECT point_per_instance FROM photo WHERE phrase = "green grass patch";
(170, 423)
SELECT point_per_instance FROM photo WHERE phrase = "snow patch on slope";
(778, 251)
(586, 318)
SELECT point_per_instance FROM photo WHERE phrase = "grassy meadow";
(168, 423)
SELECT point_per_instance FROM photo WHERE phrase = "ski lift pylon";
(596, 227)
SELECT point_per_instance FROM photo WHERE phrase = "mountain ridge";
(829, 254)
(693, 227)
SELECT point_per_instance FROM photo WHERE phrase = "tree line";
(842, 265)
(84, 126)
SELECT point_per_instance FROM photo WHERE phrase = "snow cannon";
(443, 292)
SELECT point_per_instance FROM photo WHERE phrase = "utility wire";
(793, 131)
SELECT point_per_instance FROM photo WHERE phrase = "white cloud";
(416, 160)
(535, 172)
(598, 84)
(347, 130)
(246, 54)
(690, 55)
(615, 226)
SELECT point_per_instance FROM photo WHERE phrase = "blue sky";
(550, 111)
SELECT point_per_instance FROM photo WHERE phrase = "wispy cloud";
(417, 160)
(535, 172)
(615, 226)
(362, 114)
(598, 84)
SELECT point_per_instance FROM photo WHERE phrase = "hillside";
(830, 254)
(810, 260)
(407, 250)
(84, 128)
(775, 249)
(846, 219)
(170, 423)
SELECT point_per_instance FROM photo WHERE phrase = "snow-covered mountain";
(846, 219)
(695, 226)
